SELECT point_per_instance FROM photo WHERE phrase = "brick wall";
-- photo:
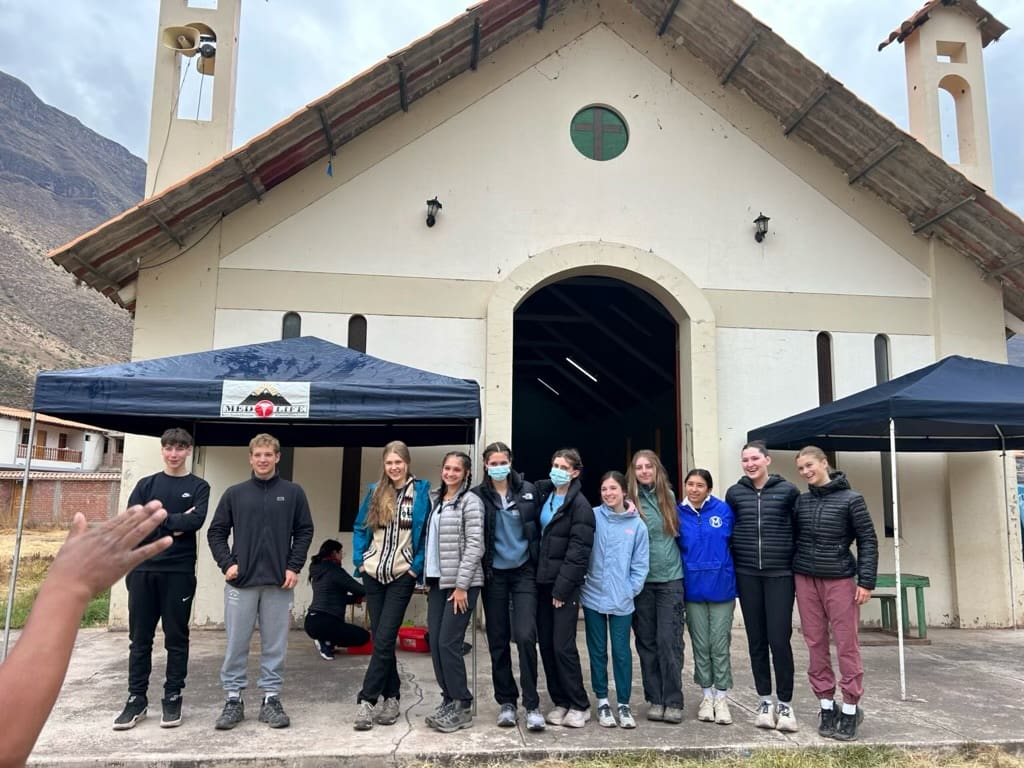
(52, 503)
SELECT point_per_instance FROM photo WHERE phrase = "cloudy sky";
(94, 58)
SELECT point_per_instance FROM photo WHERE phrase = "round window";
(599, 133)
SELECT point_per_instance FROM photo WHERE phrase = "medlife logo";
(715, 521)
(264, 400)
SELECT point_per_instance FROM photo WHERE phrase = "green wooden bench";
(907, 580)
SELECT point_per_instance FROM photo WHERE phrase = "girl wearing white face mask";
(567, 536)
(511, 544)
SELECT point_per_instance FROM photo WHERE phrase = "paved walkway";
(964, 687)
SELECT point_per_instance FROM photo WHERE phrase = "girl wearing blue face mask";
(567, 536)
(511, 544)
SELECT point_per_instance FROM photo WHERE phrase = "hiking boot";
(388, 712)
(273, 714)
(846, 730)
(171, 716)
(604, 717)
(458, 717)
(672, 715)
(133, 713)
(576, 718)
(326, 650)
(785, 718)
(557, 715)
(626, 719)
(656, 713)
(364, 716)
(232, 714)
(722, 714)
(534, 720)
(827, 722)
(765, 715)
(706, 711)
(507, 716)
(437, 714)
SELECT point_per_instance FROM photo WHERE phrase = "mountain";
(58, 179)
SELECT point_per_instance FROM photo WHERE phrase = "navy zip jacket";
(271, 529)
(763, 534)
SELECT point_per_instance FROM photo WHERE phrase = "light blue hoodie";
(618, 562)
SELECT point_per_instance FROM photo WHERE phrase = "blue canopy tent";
(957, 404)
(306, 391)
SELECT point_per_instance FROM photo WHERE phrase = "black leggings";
(331, 629)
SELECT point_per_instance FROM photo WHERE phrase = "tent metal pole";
(477, 460)
(17, 537)
(1009, 532)
(896, 549)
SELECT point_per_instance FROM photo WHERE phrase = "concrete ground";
(964, 687)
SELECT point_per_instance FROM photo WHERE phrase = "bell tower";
(196, 67)
(943, 45)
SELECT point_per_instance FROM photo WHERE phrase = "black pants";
(510, 607)
(767, 605)
(386, 604)
(658, 623)
(330, 629)
(447, 633)
(165, 597)
(556, 634)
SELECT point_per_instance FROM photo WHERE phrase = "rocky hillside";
(58, 179)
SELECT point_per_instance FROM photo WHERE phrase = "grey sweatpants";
(243, 607)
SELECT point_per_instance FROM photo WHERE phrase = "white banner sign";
(264, 400)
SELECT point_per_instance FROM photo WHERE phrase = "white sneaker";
(722, 714)
(786, 718)
(604, 716)
(577, 718)
(706, 712)
(557, 715)
(765, 715)
(534, 720)
(626, 719)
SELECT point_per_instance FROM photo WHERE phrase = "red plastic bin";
(360, 650)
(413, 639)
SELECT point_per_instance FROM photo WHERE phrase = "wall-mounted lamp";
(761, 222)
(433, 206)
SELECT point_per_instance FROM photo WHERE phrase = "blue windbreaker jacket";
(703, 539)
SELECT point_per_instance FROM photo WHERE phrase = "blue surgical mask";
(560, 477)
(499, 472)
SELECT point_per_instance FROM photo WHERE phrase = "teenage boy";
(271, 527)
(161, 588)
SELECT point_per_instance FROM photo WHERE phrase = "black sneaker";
(171, 711)
(847, 728)
(232, 714)
(326, 650)
(134, 711)
(827, 719)
(273, 714)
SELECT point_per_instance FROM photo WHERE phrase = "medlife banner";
(264, 400)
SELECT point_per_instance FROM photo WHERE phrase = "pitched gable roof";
(991, 27)
(873, 152)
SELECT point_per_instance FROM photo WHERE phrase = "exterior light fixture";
(547, 385)
(761, 222)
(433, 206)
(581, 369)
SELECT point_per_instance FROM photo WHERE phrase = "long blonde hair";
(662, 491)
(382, 500)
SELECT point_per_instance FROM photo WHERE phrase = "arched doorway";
(596, 366)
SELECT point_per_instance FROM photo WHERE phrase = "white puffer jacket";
(461, 535)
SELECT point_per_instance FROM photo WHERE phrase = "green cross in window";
(599, 133)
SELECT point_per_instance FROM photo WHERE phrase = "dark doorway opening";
(595, 366)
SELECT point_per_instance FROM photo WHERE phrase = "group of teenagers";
(639, 563)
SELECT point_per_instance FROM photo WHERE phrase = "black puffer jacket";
(829, 518)
(524, 495)
(566, 543)
(763, 536)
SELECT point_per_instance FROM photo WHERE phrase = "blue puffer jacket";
(618, 562)
(703, 540)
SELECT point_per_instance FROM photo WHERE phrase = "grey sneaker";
(557, 715)
(388, 712)
(441, 711)
(507, 716)
(673, 715)
(273, 714)
(604, 717)
(133, 713)
(458, 717)
(656, 712)
(232, 714)
(626, 719)
(534, 720)
(364, 716)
